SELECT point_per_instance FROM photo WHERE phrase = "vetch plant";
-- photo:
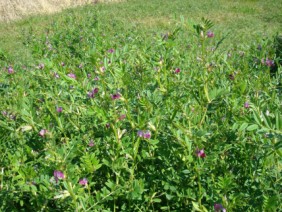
(141, 133)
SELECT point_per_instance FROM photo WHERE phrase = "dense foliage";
(115, 120)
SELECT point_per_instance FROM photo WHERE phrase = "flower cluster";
(267, 62)
(83, 182)
(144, 134)
(201, 153)
(92, 93)
(58, 175)
(115, 96)
(210, 34)
(72, 75)
(218, 207)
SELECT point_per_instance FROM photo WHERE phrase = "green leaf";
(243, 126)
(196, 206)
(252, 127)
(157, 200)
(90, 163)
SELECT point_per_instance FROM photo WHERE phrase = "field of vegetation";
(143, 106)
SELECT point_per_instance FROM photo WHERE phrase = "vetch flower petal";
(42, 132)
(72, 75)
(201, 153)
(83, 181)
(210, 34)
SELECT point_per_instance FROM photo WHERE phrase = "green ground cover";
(143, 106)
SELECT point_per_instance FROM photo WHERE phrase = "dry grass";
(16, 9)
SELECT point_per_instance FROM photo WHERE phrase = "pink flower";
(42, 132)
(269, 62)
(201, 153)
(92, 93)
(210, 34)
(10, 70)
(218, 207)
(58, 175)
(91, 143)
(246, 105)
(115, 96)
(147, 134)
(177, 71)
(102, 69)
(59, 109)
(83, 181)
(111, 50)
(144, 134)
(71, 75)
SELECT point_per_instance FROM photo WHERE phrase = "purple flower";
(177, 71)
(147, 134)
(140, 133)
(42, 132)
(91, 143)
(246, 105)
(88, 75)
(201, 153)
(59, 109)
(41, 66)
(56, 75)
(108, 125)
(210, 34)
(83, 181)
(96, 78)
(218, 207)
(111, 50)
(58, 175)
(102, 69)
(62, 64)
(269, 62)
(144, 134)
(71, 75)
(115, 96)
(10, 70)
(92, 93)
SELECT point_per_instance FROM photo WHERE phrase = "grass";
(244, 20)
(142, 106)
